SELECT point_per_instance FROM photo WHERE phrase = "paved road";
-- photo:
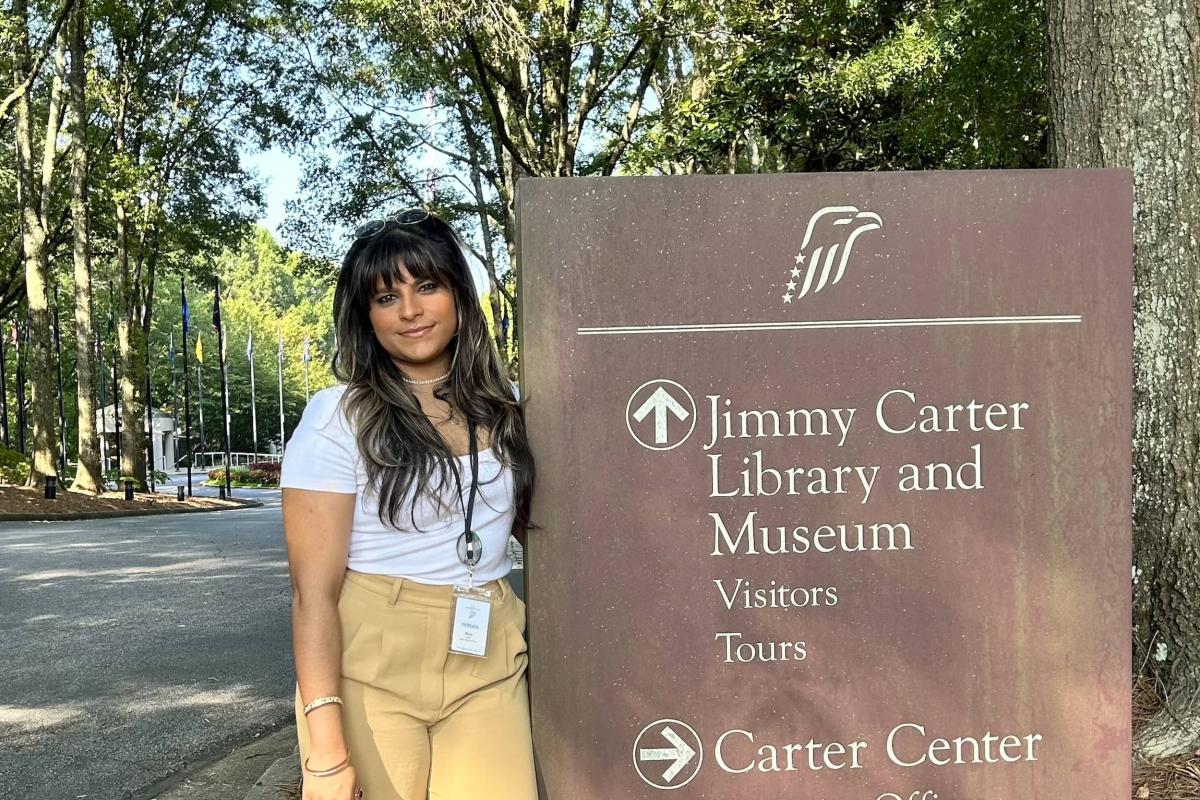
(134, 648)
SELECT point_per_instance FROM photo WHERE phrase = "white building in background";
(164, 437)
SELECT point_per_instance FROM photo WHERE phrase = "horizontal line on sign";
(916, 322)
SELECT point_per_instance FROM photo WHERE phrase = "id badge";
(472, 616)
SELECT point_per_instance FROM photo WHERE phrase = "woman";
(401, 488)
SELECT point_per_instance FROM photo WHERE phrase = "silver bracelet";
(322, 701)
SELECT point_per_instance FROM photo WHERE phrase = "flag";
(250, 345)
(504, 325)
(186, 317)
(199, 348)
(306, 357)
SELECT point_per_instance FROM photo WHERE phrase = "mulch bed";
(20, 503)
(1166, 778)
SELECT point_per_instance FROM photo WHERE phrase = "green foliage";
(861, 85)
(14, 467)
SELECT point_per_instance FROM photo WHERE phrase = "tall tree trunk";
(130, 346)
(1124, 93)
(87, 471)
(34, 190)
(130, 375)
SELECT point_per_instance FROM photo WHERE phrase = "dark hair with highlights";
(400, 448)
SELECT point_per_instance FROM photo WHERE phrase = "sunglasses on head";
(411, 216)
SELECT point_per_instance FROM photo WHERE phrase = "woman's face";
(415, 320)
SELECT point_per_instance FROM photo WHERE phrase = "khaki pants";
(421, 722)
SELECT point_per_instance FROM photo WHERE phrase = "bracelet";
(322, 701)
(327, 773)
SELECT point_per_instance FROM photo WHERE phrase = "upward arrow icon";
(660, 403)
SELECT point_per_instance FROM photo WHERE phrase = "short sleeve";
(321, 454)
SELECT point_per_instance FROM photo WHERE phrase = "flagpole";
(279, 358)
(149, 422)
(174, 384)
(305, 359)
(99, 399)
(253, 397)
(187, 382)
(224, 385)
(62, 411)
(20, 390)
(3, 390)
(112, 335)
(200, 404)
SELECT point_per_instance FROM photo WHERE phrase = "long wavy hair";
(400, 448)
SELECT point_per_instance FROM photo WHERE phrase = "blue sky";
(280, 176)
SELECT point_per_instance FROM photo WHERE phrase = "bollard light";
(179, 493)
(128, 490)
(222, 492)
(51, 487)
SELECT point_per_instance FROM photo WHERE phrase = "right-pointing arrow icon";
(660, 403)
(680, 754)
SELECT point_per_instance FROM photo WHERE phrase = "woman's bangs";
(390, 256)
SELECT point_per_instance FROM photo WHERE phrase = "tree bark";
(129, 331)
(88, 476)
(1124, 93)
(34, 190)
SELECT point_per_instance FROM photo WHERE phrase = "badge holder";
(472, 604)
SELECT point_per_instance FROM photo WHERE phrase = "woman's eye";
(384, 299)
(428, 287)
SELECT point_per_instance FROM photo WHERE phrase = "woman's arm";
(316, 526)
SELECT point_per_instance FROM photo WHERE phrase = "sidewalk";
(266, 769)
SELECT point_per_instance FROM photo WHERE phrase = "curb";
(133, 512)
(242, 771)
(281, 781)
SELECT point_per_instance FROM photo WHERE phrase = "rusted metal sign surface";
(834, 485)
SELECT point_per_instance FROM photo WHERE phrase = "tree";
(88, 476)
(764, 86)
(549, 89)
(1124, 92)
(35, 182)
(186, 85)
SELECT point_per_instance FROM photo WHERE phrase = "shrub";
(14, 467)
(272, 467)
(236, 474)
(263, 477)
(252, 475)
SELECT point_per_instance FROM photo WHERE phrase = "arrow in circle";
(681, 754)
(660, 403)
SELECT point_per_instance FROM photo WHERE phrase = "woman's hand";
(343, 786)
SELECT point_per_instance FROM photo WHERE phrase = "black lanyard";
(469, 545)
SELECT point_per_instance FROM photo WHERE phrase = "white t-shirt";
(323, 455)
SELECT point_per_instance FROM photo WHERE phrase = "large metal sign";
(833, 485)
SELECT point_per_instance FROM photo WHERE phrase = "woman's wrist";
(327, 754)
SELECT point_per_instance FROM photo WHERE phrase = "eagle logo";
(825, 263)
